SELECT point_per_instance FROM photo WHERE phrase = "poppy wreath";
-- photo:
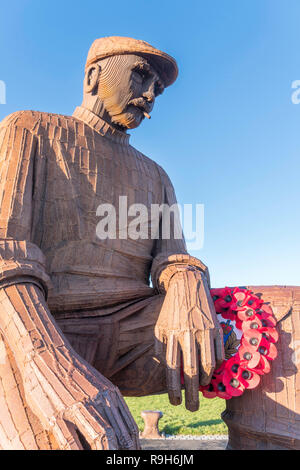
(256, 347)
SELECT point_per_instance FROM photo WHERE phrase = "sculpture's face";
(127, 87)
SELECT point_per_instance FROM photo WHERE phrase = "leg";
(138, 372)
(19, 427)
(121, 345)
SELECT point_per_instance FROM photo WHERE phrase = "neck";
(100, 125)
(94, 104)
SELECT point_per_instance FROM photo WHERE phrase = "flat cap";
(164, 64)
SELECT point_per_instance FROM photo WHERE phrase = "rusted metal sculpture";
(77, 310)
(79, 319)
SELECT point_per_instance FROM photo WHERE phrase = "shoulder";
(154, 167)
(164, 176)
(36, 122)
(24, 119)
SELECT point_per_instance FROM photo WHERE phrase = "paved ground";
(183, 444)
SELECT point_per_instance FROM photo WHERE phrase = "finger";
(128, 419)
(191, 370)
(160, 345)
(207, 355)
(219, 347)
(66, 436)
(114, 418)
(97, 431)
(173, 370)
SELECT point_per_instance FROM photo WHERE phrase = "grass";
(176, 419)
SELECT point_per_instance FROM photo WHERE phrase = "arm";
(187, 328)
(63, 391)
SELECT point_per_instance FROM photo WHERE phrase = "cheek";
(117, 99)
(126, 91)
(136, 88)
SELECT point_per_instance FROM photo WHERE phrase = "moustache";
(142, 105)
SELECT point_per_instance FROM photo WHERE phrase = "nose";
(149, 96)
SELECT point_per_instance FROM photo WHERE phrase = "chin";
(128, 120)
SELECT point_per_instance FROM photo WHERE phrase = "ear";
(91, 77)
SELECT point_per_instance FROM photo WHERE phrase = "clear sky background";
(226, 132)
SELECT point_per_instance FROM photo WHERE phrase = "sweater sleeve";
(170, 253)
(20, 259)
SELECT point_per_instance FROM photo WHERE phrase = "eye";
(159, 88)
(139, 73)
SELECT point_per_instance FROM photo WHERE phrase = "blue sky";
(226, 132)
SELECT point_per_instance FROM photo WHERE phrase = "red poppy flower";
(248, 358)
(255, 319)
(219, 386)
(233, 386)
(256, 341)
(240, 298)
(229, 315)
(249, 378)
(208, 393)
(216, 293)
(267, 349)
(251, 339)
(266, 317)
(221, 298)
(267, 309)
(263, 367)
(271, 334)
(254, 302)
(232, 366)
(259, 324)
(246, 314)
(238, 323)
(252, 324)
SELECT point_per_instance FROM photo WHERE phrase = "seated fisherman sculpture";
(78, 316)
(80, 323)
